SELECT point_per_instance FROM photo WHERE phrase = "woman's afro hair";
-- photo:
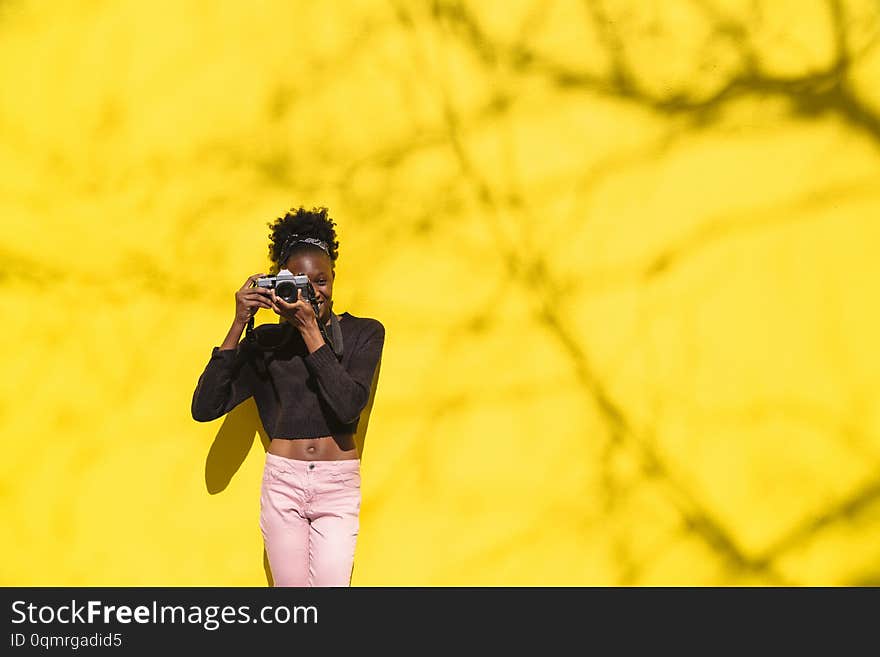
(306, 223)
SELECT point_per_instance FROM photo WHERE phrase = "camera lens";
(287, 291)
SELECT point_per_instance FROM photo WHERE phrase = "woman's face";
(317, 267)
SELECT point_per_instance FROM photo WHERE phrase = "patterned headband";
(294, 238)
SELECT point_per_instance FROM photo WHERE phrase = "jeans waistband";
(285, 464)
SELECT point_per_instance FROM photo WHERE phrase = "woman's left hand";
(300, 313)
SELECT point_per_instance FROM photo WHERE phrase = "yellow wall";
(625, 253)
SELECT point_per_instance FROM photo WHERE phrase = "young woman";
(310, 387)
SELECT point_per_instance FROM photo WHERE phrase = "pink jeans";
(309, 519)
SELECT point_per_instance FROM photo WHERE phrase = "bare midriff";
(325, 448)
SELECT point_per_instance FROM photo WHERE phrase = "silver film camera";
(286, 284)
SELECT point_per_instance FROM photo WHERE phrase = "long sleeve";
(225, 383)
(347, 391)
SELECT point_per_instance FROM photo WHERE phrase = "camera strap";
(249, 331)
(334, 339)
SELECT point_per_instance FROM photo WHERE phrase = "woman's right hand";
(249, 299)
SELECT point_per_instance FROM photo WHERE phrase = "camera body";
(286, 284)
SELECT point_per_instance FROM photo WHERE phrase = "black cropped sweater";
(298, 394)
